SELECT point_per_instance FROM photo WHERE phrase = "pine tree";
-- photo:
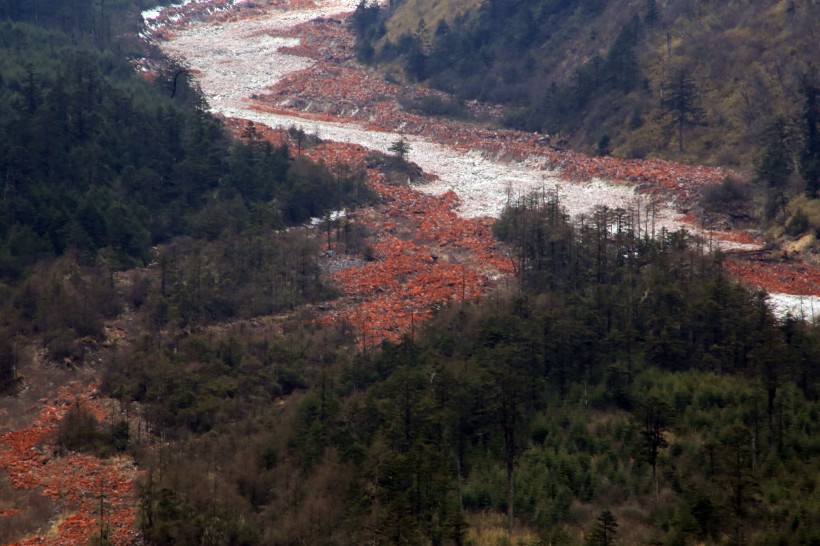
(680, 101)
(810, 158)
(604, 531)
(651, 12)
(774, 168)
(738, 476)
(400, 148)
(654, 416)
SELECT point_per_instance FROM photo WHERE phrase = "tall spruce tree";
(810, 158)
(681, 102)
(604, 531)
(774, 168)
(654, 416)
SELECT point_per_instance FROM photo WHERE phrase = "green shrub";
(80, 431)
(797, 224)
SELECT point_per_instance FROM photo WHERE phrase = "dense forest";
(96, 159)
(623, 390)
(628, 388)
(105, 168)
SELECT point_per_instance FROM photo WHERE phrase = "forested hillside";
(101, 164)
(627, 388)
(96, 158)
(696, 81)
(103, 23)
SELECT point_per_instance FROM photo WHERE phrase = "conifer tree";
(654, 416)
(651, 12)
(681, 102)
(604, 531)
(774, 168)
(810, 158)
(400, 148)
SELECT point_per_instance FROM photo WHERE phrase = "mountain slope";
(597, 72)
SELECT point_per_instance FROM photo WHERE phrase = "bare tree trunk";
(655, 482)
(510, 497)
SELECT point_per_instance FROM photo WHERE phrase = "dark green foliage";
(775, 167)
(603, 145)
(583, 69)
(604, 531)
(79, 430)
(651, 12)
(400, 149)
(367, 26)
(95, 23)
(496, 56)
(173, 519)
(99, 167)
(553, 405)
(628, 372)
(97, 160)
(810, 156)
(221, 399)
(681, 102)
(654, 418)
(64, 306)
(311, 190)
(197, 384)
(91, 142)
(236, 277)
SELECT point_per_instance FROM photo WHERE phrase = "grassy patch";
(406, 18)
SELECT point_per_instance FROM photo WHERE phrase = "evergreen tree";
(364, 22)
(810, 158)
(651, 12)
(415, 57)
(654, 416)
(604, 531)
(681, 102)
(400, 148)
(774, 168)
(621, 66)
(738, 475)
